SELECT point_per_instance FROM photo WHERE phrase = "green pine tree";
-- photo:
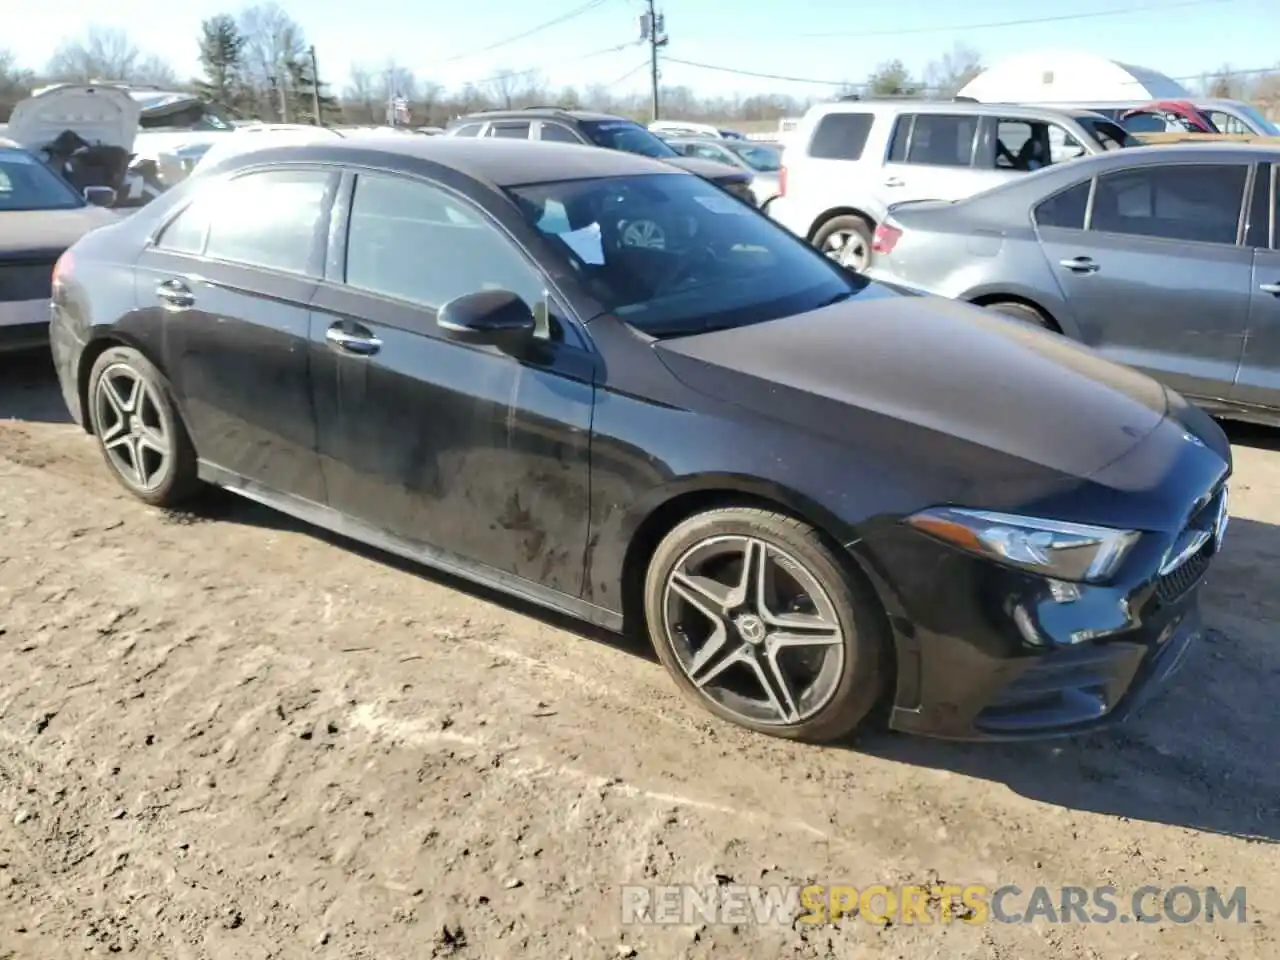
(301, 103)
(222, 57)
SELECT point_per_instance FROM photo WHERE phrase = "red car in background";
(1164, 116)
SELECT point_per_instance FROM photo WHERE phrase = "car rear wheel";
(763, 624)
(847, 240)
(139, 432)
(1021, 311)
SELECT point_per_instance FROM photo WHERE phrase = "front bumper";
(989, 652)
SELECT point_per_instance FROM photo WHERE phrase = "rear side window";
(942, 140)
(840, 136)
(511, 131)
(269, 219)
(1065, 209)
(1258, 230)
(1197, 202)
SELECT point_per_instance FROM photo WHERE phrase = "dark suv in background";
(599, 130)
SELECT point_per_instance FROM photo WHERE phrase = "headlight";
(1054, 548)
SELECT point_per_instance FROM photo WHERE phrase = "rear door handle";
(175, 293)
(1080, 265)
(359, 341)
(895, 182)
(1271, 288)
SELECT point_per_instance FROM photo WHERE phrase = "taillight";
(885, 239)
(782, 181)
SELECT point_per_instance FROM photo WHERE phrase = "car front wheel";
(139, 432)
(761, 622)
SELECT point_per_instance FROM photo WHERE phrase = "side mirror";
(100, 196)
(497, 317)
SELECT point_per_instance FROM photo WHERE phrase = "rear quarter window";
(840, 136)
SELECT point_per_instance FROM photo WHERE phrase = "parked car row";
(815, 492)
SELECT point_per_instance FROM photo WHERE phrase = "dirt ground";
(223, 735)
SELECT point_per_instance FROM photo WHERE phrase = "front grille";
(28, 280)
(1203, 527)
(1177, 582)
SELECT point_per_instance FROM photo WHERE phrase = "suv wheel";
(139, 432)
(847, 240)
(761, 623)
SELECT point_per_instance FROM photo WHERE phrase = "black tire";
(1021, 311)
(863, 631)
(175, 482)
(848, 223)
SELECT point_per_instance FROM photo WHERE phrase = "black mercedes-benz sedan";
(815, 493)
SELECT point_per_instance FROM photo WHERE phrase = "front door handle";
(362, 342)
(895, 182)
(175, 294)
(1080, 265)
(1271, 288)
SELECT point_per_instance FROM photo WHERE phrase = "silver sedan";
(1164, 258)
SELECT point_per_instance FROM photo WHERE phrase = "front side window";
(27, 184)
(557, 133)
(709, 152)
(942, 140)
(1192, 201)
(672, 254)
(268, 219)
(1026, 145)
(418, 243)
(467, 130)
(1066, 209)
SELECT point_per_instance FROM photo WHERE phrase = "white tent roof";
(1069, 77)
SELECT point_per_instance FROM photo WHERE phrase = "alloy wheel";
(848, 248)
(754, 630)
(132, 427)
(644, 234)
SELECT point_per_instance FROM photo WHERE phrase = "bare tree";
(359, 99)
(273, 44)
(892, 79)
(1226, 83)
(15, 83)
(949, 73)
(102, 54)
(505, 86)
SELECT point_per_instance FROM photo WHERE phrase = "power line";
(845, 83)
(643, 64)
(1026, 22)
(545, 25)
(529, 71)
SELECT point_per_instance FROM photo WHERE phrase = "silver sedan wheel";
(848, 248)
(754, 630)
(644, 234)
(132, 427)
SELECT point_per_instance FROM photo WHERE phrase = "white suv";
(848, 161)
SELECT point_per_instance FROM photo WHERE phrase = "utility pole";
(653, 29)
(315, 86)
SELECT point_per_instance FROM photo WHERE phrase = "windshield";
(27, 184)
(1261, 123)
(766, 159)
(1111, 135)
(672, 254)
(627, 136)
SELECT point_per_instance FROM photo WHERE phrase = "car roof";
(500, 162)
(535, 113)
(1014, 111)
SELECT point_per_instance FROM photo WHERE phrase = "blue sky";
(812, 39)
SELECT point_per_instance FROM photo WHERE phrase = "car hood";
(25, 233)
(709, 169)
(873, 367)
(104, 115)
